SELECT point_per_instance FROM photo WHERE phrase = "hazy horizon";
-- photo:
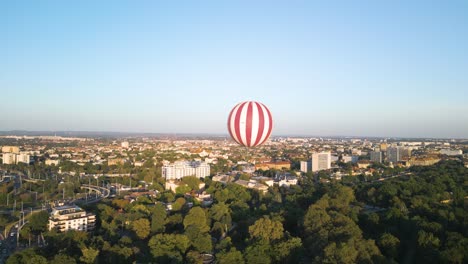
(375, 69)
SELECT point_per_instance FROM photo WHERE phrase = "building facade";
(321, 161)
(23, 157)
(9, 158)
(10, 149)
(306, 166)
(376, 156)
(180, 169)
(71, 217)
(393, 154)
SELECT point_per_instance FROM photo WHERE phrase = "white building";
(51, 162)
(182, 169)
(376, 156)
(9, 158)
(321, 161)
(71, 217)
(451, 152)
(306, 166)
(352, 159)
(125, 144)
(23, 157)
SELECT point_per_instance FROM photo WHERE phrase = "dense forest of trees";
(421, 218)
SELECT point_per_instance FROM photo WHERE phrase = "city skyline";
(337, 69)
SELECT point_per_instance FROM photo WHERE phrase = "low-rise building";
(71, 217)
(182, 169)
(273, 165)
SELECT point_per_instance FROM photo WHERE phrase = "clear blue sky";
(363, 68)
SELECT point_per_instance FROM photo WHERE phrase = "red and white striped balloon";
(250, 123)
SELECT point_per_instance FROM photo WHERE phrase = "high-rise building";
(9, 158)
(10, 149)
(383, 147)
(405, 153)
(306, 166)
(182, 169)
(393, 154)
(321, 161)
(71, 217)
(23, 157)
(376, 156)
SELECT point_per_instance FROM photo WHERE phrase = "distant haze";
(361, 68)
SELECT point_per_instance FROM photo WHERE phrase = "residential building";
(306, 166)
(182, 169)
(383, 147)
(376, 156)
(405, 153)
(23, 158)
(352, 159)
(9, 158)
(451, 152)
(71, 217)
(115, 161)
(321, 161)
(278, 165)
(51, 162)
(10, 149)
(393, 154)
(125, 144)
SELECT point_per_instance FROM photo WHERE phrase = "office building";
(71, 217)
(180, 169)
(376, 156)
(321, 161)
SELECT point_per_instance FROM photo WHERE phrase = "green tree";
(62, 259)
(266, 229)
(389, 245)
(231, 256)
(158, 218)
(141, 228)
(89, 255)
(196, 217)
(169, 247)
(192, 181)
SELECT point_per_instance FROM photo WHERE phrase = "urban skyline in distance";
(351, 69)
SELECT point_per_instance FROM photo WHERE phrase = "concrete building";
(71, 217)
(376, 156)
(125, 144)
(321, 161)
(23, 157)
(393, 154)
(306, 166)
(9, 158)
(182, 169)
(10, 149)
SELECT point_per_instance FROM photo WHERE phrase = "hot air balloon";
(250, 123)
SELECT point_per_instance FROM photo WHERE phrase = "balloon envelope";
(250, 123)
